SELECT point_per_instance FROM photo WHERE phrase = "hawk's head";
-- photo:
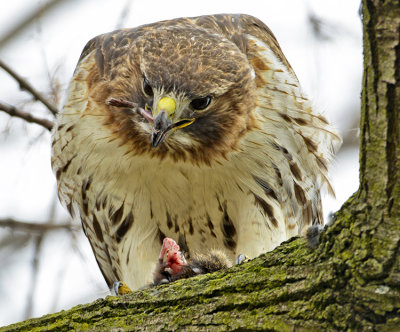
(197, 87)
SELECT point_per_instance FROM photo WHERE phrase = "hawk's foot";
(120, 288)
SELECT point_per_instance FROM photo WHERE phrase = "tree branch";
(36, 227)
(41, 11)
(13, 111)
(35, 271)
(24, 85)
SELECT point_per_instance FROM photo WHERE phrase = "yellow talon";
(120, 288)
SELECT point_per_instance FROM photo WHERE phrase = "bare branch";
(124, 14)
(29, 88)
(35, 271)
(25, 22)
(37, 227)
(13, 111)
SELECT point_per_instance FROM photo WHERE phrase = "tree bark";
(350, 281)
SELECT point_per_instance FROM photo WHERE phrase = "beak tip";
(157, 137)
(154, 143)
(160, 128)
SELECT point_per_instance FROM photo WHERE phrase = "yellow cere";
(168, 105)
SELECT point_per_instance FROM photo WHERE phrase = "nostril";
(161, 120)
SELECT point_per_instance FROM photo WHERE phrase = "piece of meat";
(172, 264)
(171, 257)
(168, 244)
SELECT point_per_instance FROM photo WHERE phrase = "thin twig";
(35, 272)
(13, 111)
(25, 21)
(36, 227)
(51, 218)
(124, 14)
(36, 259)
(28, 87)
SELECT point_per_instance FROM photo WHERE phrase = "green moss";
(392, 324)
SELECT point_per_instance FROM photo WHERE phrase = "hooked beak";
(160, 128)
(163, 121)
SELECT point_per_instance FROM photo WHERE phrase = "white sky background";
(329, 71)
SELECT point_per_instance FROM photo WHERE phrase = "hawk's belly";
(199, 207)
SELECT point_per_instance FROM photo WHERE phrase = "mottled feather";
(244, 176)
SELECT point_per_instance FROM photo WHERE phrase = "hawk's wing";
(313, 140)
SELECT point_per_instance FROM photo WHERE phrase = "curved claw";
(241, 259)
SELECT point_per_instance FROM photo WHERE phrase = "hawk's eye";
(148, 90)
(200, 103)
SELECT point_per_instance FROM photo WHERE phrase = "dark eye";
(200, 103)
(148, 90)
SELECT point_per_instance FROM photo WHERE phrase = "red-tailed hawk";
(195, 129)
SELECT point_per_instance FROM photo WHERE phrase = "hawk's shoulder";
(235, 27)
(238, 28)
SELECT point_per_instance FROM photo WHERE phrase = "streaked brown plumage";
(221, 150)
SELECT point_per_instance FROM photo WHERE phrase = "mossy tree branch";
(352, 279)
